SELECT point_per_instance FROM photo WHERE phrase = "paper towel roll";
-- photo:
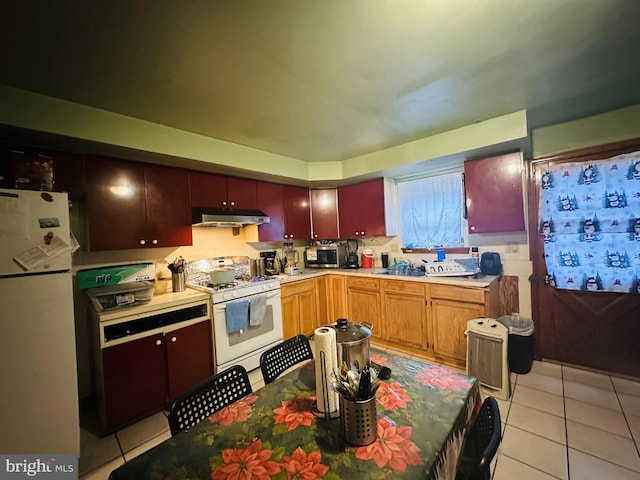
(326, 358)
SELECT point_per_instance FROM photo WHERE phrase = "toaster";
(490, 263)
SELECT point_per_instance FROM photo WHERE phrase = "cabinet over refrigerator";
(39, 413)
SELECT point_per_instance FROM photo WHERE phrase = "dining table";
(422, 413)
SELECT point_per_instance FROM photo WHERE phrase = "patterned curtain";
(590, 221)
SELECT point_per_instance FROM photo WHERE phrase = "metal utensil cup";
(178, 282)
(358, 420)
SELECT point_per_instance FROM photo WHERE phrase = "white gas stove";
(243, 346)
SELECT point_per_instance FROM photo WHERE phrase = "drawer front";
(462, 294)
(363, 282)
(404, 286)
(294, 288)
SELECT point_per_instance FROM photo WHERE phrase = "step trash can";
(520, 342)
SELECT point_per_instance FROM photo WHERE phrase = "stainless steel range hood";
(219, 217)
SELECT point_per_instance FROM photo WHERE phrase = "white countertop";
(369, 272)
(165, 300)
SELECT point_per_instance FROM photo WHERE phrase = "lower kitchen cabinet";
(364, 300)
(331, 298)
(143, 376)
(299, 313)
(135, 380)
(405, 314)
(450, 308)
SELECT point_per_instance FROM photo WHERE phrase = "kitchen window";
(431, 211)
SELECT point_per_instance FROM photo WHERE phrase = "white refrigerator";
(39, 411)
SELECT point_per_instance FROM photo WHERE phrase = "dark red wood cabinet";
(145, 375)
(297, 213)
(135, 380)
(288, 209)
(493, 194)
(324, 214)
(361, 209)
(68, 173)
(221, 191)
(132, 205)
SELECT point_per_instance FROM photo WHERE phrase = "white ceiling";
(322, 80)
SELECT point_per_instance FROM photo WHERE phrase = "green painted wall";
(613, 126)
(46, 114)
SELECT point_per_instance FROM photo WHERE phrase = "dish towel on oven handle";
(236, 314)
(257, 310)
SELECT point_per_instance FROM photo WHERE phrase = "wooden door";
(116, 204)
(324, 213)
(350, 207)
(271, 201)
(189, 357)
(597, 330)
(372, 208)
(493, 191)
(297, 213)
(290, 316)
(135, 380)
(168, 207)
(308, 310)
(365, 306)
(241, 193)
(405, 318)
(208, 189)
(449, 324)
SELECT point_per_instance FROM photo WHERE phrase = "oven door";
(245, 347)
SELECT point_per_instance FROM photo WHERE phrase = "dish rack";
(487, 355)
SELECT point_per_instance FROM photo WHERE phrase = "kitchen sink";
(409, 273)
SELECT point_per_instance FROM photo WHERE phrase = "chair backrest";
(283, 356)
(483, 439)
(208, 397)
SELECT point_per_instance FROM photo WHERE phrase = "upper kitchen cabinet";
(297, 213)
(364, 209)
(221, 191)
(493, 190)
(37, 170)
(324, 214)
(133, 205)
(288, 210)
(68, 173)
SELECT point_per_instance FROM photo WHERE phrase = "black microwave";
(326, 256)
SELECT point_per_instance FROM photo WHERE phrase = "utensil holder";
(178, 282)
(358, 420)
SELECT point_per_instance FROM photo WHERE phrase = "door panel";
(598, 330)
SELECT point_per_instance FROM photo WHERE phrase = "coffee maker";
(271, 263)
(352, 254)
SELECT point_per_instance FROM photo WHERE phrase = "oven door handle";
(223, 305)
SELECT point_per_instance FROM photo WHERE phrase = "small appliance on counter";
(118, 286)
(352, 255)
(490, 263)
(326, 256)
(291, 259)
(271, 263)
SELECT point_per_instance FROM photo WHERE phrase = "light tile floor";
(560, 423)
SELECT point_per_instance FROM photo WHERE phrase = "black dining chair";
(283, 356)
(208, 397)
(481, 443)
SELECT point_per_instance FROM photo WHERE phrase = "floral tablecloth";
(423, 412)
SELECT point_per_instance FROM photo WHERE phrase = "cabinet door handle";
(174, 339)
(224, 203)
(158, 342)
(154, 241)
(142, 242)
(232, 203)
